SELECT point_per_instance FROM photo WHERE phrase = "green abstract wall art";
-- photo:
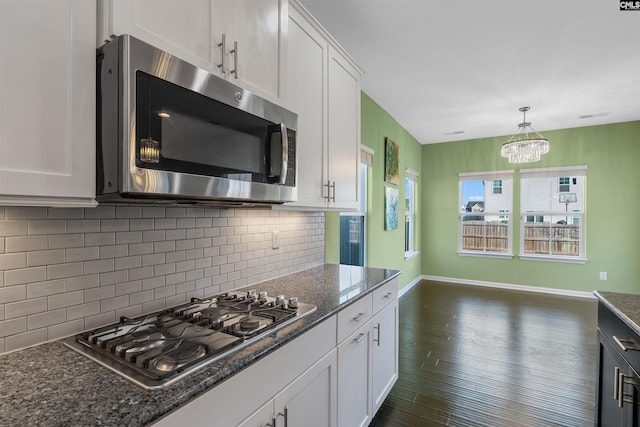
(390, 208)
(391, 162)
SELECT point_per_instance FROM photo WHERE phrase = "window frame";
(366, 162)
(555, 174)
(410, 215)
(507, 191)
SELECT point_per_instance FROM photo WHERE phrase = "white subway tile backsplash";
(82, 311)
(83, 282)
(100, 266)
(14, 326)
(25, 243)
(70, 269)
(13, 293)
(66, 299)
(43, 289)
(9, 261)
(26, 339)
(51, 317)
(25, 275)
(24, 212)
(25, 307)
(36, 258)
(66, 270)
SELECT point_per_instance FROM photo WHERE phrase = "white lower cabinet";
(335, 375)
(310, 400)
(354, 379)
(298, 375)
(368, 358)
(384, 363)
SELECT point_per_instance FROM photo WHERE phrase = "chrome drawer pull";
(624, 344)
(360, 337)
(359, 317)
(388, 295)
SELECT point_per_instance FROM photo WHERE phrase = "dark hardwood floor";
(477, 356)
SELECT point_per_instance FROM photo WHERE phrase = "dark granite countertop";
(625, 306)
(51, 385)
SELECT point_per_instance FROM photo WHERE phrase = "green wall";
(611, 153)
(385, 249)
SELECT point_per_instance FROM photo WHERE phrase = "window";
(553, 213)
(485, 213)
(411, 181)
(353, 224)
(497, 186)
(563, 184)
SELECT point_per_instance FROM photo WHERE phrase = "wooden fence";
(539, 238)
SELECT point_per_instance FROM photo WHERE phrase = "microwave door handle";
(285, 154)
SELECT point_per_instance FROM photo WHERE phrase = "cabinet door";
(185, 32)
(313, 396)
(610, 366)
(384, 353)
(305, 95)
(260, 31)
(354, 379)
(47, 102)
(343, 131)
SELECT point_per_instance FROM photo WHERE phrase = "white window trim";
(412, 175)
(486, 176)
(558, 172)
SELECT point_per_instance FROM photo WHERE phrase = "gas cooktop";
(158, 349)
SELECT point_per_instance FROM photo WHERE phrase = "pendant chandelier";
(522, 148)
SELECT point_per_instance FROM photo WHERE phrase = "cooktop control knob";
(262, 296)
(280, 299)
(252, 294)
(293, 302)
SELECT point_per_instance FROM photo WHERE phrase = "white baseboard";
(409, 286)
(525, 288)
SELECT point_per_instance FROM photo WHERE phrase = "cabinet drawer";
(354, 316)
(612, 326)
(384, 295)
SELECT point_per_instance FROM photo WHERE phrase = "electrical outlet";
(275, 239)
(603, 275)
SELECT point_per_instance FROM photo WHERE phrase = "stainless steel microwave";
(170, 132)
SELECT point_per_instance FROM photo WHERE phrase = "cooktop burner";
(155, 350)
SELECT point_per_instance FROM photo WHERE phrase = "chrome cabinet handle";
(333, 199)
(616, 379)
(377, 340)
(622, 380)
(359, 338)
(235, 59)
(623, 344)
(272, 423)
(285, 415)
(359, 317)
(388, 295)
(285, 152)
(223, 47)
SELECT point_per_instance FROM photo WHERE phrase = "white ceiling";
(441, 67)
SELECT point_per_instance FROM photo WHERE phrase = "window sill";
(485, 254)
(572, 260)
(411, 254)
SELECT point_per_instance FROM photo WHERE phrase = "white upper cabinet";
(323, 88)
(47, 102)
(239, 40)
(307, 57)
(343, 131)
(255, 31)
